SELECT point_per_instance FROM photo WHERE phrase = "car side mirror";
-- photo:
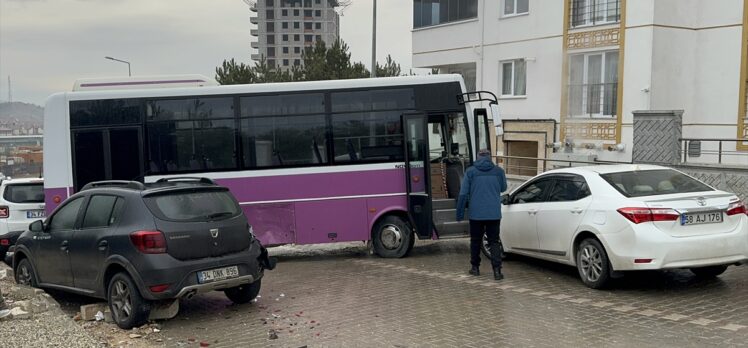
(505, 199)
(36, 226)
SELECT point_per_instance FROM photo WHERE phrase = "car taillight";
(4, 212)
(4, 242)
(149, 242)
(639, 215)
(736, 208)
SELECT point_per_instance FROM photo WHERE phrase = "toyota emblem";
(701, 201)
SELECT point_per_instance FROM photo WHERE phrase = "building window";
(593, 84)
(307, 13)
(269, 3)
(285, 37)
(296, 37)
(433, 12)
(271, 63)
(285, 62)
(296, 13)
(307, 3)
(284, 25)
(271, 51)
(318, 13)
(516, 7)
(317, 2)
(285, 50)
(284, 13)
(308, 38)
(296, 25)
(297, 50)
(514, 77)
(307, 25)
(297, 62)
(271, 39)
(270, 27)
(270, 14)
(594, 12)
(318, 25)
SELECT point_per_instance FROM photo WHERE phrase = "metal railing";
(594, 99)
(506, 163)
(692, 148)
(593, 12)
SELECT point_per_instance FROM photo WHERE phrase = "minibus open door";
(417, 177)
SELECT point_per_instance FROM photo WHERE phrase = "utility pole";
(374, 42)
(10, 91)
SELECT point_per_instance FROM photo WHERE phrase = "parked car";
(134, 244)
(21, 202)
(612, 218)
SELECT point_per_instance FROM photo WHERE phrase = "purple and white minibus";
(376, 160)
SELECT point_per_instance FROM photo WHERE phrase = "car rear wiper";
(216, 215)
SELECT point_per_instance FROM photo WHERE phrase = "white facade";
(661, 55)
(286, 27)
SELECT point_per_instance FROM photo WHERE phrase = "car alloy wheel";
(121, 301)
(24, 274)
(592, 263)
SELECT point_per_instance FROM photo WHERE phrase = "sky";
(45, 45)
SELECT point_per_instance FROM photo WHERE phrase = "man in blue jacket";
(482, 187)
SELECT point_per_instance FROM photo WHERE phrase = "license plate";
(711, 217)
(217, 274)
(34, 214)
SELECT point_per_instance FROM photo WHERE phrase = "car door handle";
(576, 211)
(64, 246)
(103, 245)
(532, 211)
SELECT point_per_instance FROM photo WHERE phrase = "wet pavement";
(339, 295)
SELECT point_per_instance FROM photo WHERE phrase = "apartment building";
(286, 27)
(570, 73)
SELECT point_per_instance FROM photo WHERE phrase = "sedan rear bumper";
(644, 247)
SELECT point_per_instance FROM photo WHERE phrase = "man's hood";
(484, 164)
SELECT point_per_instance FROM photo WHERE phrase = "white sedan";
(611, 218)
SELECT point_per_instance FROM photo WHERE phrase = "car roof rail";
(201, 180)
(135, 185)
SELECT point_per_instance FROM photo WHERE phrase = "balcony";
(593, 100)
(254, 44)
(253, 32)
(587, 13)
(255, 57)
(253, 20)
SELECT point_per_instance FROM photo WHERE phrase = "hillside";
(19, 112)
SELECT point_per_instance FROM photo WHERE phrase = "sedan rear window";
(24, 193)
(193, 206)
(653, 183)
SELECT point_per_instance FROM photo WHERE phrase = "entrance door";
(108, 154)
(417, 178)
(480, 118)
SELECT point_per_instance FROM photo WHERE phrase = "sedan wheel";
(593, 264)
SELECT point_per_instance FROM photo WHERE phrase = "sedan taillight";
(149, 242)
(736, 208)
(4, 212)
(639, 215)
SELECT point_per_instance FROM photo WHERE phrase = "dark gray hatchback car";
(135, 245)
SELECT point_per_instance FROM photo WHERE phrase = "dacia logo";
(214, 232)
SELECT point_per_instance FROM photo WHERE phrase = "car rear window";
(24, 193)
(653, 183)
(193, 206)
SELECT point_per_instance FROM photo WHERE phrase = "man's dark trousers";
(491, 229)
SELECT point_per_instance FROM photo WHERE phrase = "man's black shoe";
(497, 274)
(474, 271)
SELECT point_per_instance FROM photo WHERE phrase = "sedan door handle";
(103, 245)
(64, 246)
(576, 211)
(532, 211)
